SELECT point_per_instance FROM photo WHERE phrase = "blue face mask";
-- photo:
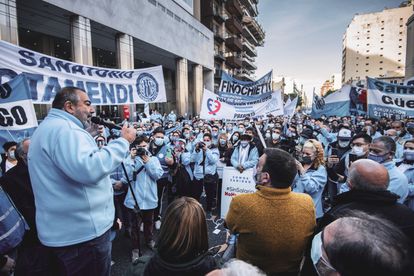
(159, 141)
(244, 143)
(409, 155)
(223, 142)
(378, 158)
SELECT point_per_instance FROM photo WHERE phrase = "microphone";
(99, 121)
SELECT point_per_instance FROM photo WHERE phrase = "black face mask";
(306, 160)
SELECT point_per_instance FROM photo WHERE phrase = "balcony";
(218, 17)
(249, 49)
(251, 6)
(234, 44)
(245, 75)
(234, 25)
(234, 61)
(234, 8)
(254, 27)
(218, 37)
(250, 37)
(219, 55)
(249, 63)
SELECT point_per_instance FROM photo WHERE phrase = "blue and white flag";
(335, 104)
(387, 99)
(290, 107)
(46, 75)
(17, 114)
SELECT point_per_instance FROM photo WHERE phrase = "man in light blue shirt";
(71, 184)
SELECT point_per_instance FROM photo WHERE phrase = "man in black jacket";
(368, 182)
(33, 257)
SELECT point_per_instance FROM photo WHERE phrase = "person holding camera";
(146, 170)
(205, 156)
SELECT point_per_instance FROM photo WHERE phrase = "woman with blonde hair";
(312, 175)
(182, 244)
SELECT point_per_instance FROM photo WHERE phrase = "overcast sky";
(304, 37)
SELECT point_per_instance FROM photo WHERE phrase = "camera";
(201, 144)
(141, 151)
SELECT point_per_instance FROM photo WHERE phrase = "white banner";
(387, 100)
(46, 75)
(290, 107)
(215, 107)
(235, 183)
(17, 114)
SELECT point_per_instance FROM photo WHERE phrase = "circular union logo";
(147, 87)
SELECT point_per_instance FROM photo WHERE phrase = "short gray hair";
(236, 267)
(19, 148)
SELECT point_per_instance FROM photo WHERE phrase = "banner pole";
(260, 136)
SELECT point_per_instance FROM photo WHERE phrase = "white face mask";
(343, 144)
(159, 141)
(275, 136)
(358, 151)
(207, 144)
(267, 135)
(12, 155)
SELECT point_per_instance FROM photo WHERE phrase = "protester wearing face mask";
(338, 173)
(406, 166)
(9, 158)
(205, 156)
(215, 131)
(312, 175)
(382, 150)
(395, 136)
(245, 155)
(163, 152)
(273, 139)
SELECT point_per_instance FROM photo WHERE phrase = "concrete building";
(334, 83)
(127, 34)
(409, 59)
(374, 45)
(236, 36)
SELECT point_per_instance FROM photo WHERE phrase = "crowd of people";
(335, 195)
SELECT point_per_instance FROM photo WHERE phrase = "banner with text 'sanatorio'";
(46, 75)
(389, 100)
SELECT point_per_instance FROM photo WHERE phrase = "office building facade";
(126, 35)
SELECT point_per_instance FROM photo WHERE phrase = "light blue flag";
(335, 104)
(17, 114)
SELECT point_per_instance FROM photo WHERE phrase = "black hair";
(281, 167)
(208, 135)
(363, 135)
(158, 130)
(67, 93)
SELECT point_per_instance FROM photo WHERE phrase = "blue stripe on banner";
(332, 109)
(15, 90)
(15, 135)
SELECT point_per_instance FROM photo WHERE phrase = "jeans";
(85, 259)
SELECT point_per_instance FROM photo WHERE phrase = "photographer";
(145, 173)
(205, 157)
